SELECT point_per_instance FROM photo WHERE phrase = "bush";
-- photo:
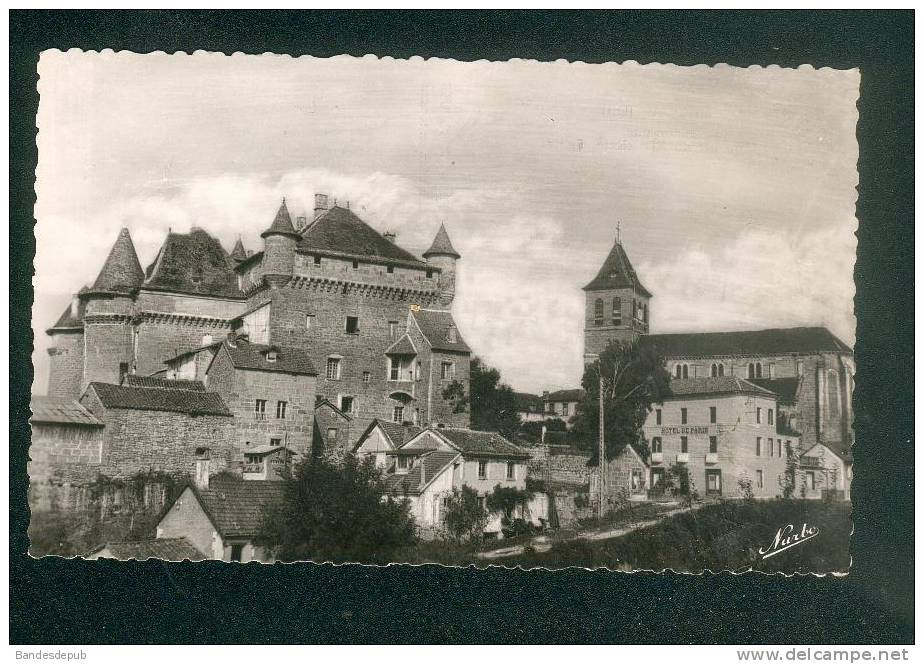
(506, 499)
(464, 518)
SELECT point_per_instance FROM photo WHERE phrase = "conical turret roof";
(441, 245)
(239, 253)
(122, 271)
(282, 224)
(617, 272)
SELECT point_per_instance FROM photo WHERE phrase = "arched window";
(757, 370)
(750, 370)
(598, 312)
(677, 371)
(681, 371)
(617, 311)
(686, 371)
(717, 369)
(721, 369)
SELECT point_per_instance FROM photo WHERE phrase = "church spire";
(122, 271)
(617, 272)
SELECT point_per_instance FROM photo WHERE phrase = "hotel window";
(366, 376)
(758, 415)
(684, 445)
(392, 328)
(352, 325)
(714, 481)
(617, 311)
(281, 410)
(779, 447)
(713, 444)
(346, 404)
(482, 470)
(757, 449)
(769, 416)
(333, 368)
(760, 479)
(259, 409)
(447, 370)
(511, 470)
(770, 447)
(598, 312)
(397, 414)
(657, 416)
(656, 444)
(683, 415)
(711, 414)
(275, 442)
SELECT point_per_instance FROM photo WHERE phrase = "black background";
(58, 601)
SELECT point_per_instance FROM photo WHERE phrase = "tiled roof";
(239, 253)
(786, 389)
(617, 272)
(192, 351)
(435, 325)
(282, 224)
(842, 449)
(340, 231)
(441, 245)
(193, 263)
(176, 549)
(565, 395)
(133, 380)
(61, 411)
(409, 483)
(236, 506)
(403, 346)
(748, 343)
(121, 272)
(681, 387)
(157, 398)
(529, 403)
(68, 320)
(481, 443)
(397, 433)
(246, 355)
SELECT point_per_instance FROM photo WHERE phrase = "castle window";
(447, 370)
(355, 265)
(276, 442)
(391, 269)
(683, 415)
(352, 325)
(346, 404)
(309, 321)
(366, 376)
(331, 436)
(333, 368)
(259, 409)
(394, 368)
(317, 260)
(754, 370)
(617, 311)
(281, 410)
(123, 371)
(429, 274)
(598, 312)
(397, 414)
(392, 328)
(681, 371)
(271, 356)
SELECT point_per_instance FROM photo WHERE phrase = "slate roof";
(68, 321)
(397, 433)
(193, 263)
(133, 380)
(403, 346)
(565, 395)
(246, 355)
(160, 399)
(409, 483)
(176, 549)
(339, 231)
(441, 245)
(748, 343)
(121, 272)
(682, 387)
(239, 253)
(481, 443)
(842, 449)
(617, 272)
(50, 410)
(786, 389)
(236, 506)
(434, 325)
(282, 223)
(529, 403)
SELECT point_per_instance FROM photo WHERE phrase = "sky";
(734, 188)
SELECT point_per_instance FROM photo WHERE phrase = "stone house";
(530, 407)
(824, 472)
(724, 431)
(562, 404)
(332, 429)
(382, 437)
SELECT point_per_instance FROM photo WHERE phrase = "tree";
(634, 378)
(333, 511)
(533, 430)
(493, 403)
(506, 500)
(463, 516)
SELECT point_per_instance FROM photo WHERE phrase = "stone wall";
(333, 433)
(65, 373)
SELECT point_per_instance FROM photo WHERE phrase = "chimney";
(390, 236)
(423, 471)
(202, 468)
(320, 204)
(301, 222)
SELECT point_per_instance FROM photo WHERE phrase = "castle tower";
(616, 304)
(279, 242)
(108, 311)
(238, 254)
(441, 254)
